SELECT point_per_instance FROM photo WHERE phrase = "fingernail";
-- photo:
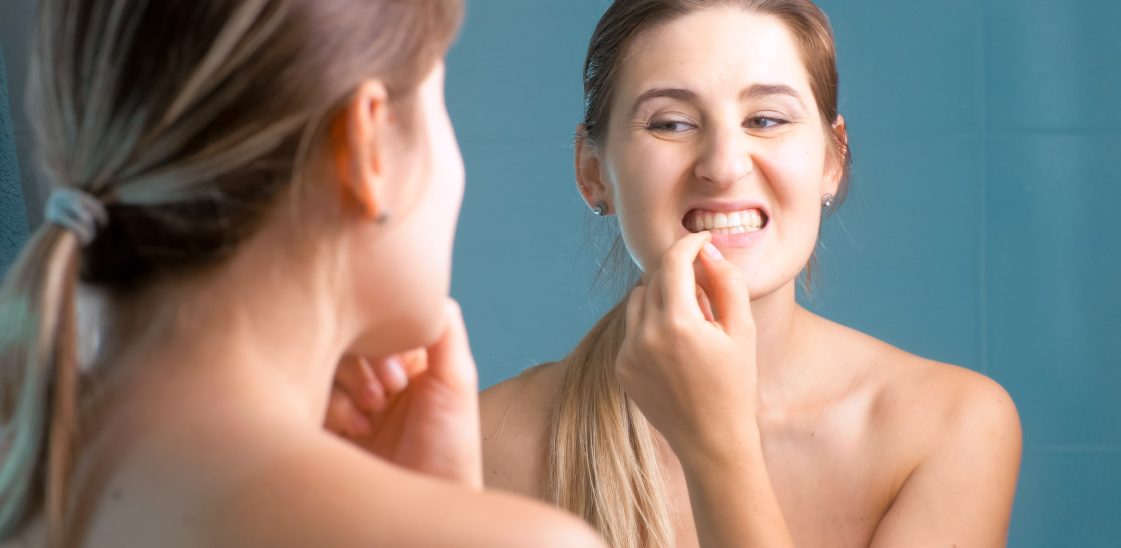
(396, 379)
(712, 252)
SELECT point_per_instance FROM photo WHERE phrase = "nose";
(725, 157)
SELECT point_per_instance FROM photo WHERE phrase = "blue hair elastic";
(78, 212)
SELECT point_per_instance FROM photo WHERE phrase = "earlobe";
(357, 145)
(589, 180)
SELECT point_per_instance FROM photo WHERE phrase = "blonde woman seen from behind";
(250, 192)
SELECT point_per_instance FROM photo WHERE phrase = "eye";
(764, 122)
(669, 126)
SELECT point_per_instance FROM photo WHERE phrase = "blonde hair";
(189, 121)
(603, 462)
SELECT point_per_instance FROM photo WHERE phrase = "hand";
(688, 357)
(419, 410)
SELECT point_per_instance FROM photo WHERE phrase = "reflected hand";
(419, 410)
(688, 357)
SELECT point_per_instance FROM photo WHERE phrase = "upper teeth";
(735, 221)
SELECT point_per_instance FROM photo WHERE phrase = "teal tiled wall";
(13, 219)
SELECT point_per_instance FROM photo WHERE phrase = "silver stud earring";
(600, 208)
(827, 201)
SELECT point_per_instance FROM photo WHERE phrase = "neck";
(782, 331)
(261, 327)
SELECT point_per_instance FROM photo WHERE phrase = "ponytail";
(38, 382)
(603, 455)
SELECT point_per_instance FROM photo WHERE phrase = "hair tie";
(76, 211)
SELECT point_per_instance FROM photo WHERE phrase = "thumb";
(727, 290)
(449, 358)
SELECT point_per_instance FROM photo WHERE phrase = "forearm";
(731, 495)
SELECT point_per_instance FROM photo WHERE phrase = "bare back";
(240, 475)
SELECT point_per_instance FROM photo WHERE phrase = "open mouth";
(725, 222)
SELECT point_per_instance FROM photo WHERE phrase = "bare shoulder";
(330, 493)
(938, 404)
(516, 419)
(949, 400)
(952, 434)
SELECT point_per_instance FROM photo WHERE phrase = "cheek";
(433, 224)
(450, 158)
(642, 186)
(392, 292)
(795, 175)
(442, 194)
(407, 273)
(414, 262)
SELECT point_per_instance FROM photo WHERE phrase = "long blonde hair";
(189, 121)
(603, 454)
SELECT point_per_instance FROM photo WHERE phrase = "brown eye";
(764, 122)
(669, 126)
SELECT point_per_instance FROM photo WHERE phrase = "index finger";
(727, 289)
(679, 281)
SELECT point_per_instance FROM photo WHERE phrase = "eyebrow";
(754, 91)
(672, 93)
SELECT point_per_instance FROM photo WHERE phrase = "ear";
(589, 178)
(836, 168)
(358, 145)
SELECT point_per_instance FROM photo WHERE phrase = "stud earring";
(600, 208)
(827, 201)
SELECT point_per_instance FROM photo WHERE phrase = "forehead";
(715, 51)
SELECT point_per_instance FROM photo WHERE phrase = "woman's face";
(714, 127)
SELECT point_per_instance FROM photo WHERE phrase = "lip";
(745, 239)
(724, 206)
